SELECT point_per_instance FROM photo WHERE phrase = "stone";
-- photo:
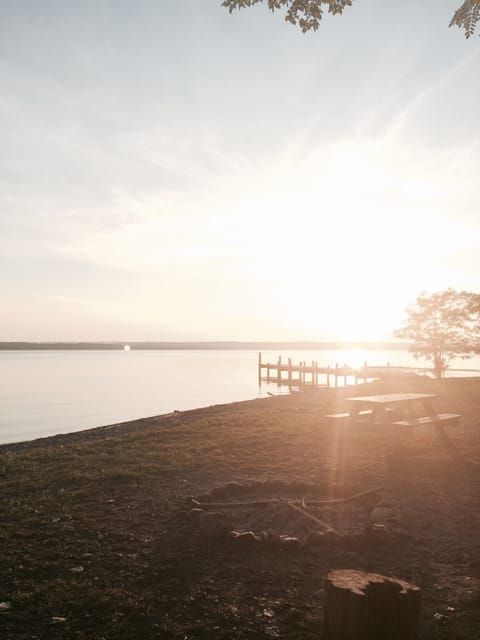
(314, 539)
(290, 543)
(235, 489)
(245, 539)
(272, 538)
(330, 537)
(218, 493)
(212, 525)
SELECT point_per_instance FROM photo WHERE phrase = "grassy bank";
(98, 542)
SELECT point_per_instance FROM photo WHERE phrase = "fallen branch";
(233, 505)
(308, 515)
(319, 503)
(273, 501)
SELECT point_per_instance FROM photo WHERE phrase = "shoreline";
(59, 439)
(87, 433)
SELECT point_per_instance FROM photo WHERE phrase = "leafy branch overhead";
(308, 13)
(467, 17)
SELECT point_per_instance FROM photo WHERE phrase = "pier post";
(279, 370)
(336, 374)
(259, 369)
(289, 372)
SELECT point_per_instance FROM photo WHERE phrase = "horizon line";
(202, 344)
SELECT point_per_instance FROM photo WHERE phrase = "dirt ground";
(100, 539)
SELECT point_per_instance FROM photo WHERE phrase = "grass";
(111, 501)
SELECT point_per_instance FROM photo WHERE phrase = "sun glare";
(357, 358)
(349, 251)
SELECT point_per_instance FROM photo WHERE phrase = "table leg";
(387, 417)
(428, 407)
(354, 413)
(409, 411)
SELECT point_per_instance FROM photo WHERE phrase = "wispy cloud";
(232, 168)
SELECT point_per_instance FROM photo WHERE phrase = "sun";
(341, 243)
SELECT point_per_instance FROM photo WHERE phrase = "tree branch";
(308, 13)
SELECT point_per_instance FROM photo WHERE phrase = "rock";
(212, 525)
(217, 494)
(272, 538)
(330, 537)
(235, 489)
(314, 539)
(289, 542)
(276, 486)
(246, 539)
(376, 534)
(382, 514)
(440, 617)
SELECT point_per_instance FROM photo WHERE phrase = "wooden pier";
(313, 375)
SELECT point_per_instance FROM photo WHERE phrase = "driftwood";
(267, 503)
(308, 515)
(369, 606)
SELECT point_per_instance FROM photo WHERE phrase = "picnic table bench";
(439, 418)
(366, 413)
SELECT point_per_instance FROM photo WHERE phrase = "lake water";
(49, 392)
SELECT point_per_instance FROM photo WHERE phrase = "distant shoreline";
(193, 346)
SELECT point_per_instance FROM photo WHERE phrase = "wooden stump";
(369, 606)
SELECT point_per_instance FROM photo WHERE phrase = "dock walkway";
(313, 375)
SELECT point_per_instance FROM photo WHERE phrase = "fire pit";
(293, 515)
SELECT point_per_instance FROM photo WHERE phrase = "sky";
(169, 171)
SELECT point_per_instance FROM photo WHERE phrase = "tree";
(308, 13)
(442, 326)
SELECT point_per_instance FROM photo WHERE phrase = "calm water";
(48, 392)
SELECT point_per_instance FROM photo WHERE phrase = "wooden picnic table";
(398, 413)
(385, 408)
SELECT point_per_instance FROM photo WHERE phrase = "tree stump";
(369, 606)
